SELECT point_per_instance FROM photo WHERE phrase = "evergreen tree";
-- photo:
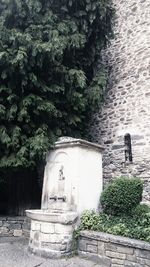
(49, 83)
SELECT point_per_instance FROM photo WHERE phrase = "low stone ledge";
(14, 226)
(115, 251)
(120, 240)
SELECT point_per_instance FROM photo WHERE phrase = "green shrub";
(140, 210)
(121, 196)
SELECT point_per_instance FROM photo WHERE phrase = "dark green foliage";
(121, 196)
(49, 52)
(123, 215)
(140, 210)
(136, 226)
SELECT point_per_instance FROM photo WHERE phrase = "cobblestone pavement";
(13, 253)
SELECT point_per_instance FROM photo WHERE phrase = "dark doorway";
(19, 191)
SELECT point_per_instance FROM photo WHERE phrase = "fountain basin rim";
(63, 217)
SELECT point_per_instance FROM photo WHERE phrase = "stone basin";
(53, 216)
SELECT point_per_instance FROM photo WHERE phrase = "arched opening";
(128, 148)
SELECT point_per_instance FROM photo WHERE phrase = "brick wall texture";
(127, 102)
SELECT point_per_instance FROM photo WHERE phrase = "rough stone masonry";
(126, 109)
(114, 251)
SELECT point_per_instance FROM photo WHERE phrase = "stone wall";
(14, 226)
(51, 239)
(114, 251)
(127, 102)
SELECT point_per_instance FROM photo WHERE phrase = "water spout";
(62, 198)
(55, 198)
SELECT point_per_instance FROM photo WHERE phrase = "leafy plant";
(49, 80)
(135, 226)
(121, 196)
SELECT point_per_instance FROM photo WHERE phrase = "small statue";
(61, 173)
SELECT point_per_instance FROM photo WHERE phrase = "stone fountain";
(72, 184)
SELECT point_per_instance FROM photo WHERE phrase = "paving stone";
(14, 253)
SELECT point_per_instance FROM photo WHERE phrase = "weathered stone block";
(115, 147)
(26, 233)
(92, 248)
(117, 261)
(143, 261)
(34, 225)
(16, 219)
(101, 248)
(132, 264)
(15, 226)
(60, 228)
(4, 230)
(6, 224)
(111, 247)
(53, 238)
(17, 233)
(115, 255)
(142, 253)
(126, 250)
(48, 228)
(70, 246)
(53, 246)
(45, 237)
(82, 245)
(131, 258)
(36, 236)
(137, 137)
(32, 234)
(92, 241)
(26, 226)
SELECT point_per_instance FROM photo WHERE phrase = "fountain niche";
(72, 184)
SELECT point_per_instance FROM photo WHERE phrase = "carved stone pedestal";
(51, 233)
